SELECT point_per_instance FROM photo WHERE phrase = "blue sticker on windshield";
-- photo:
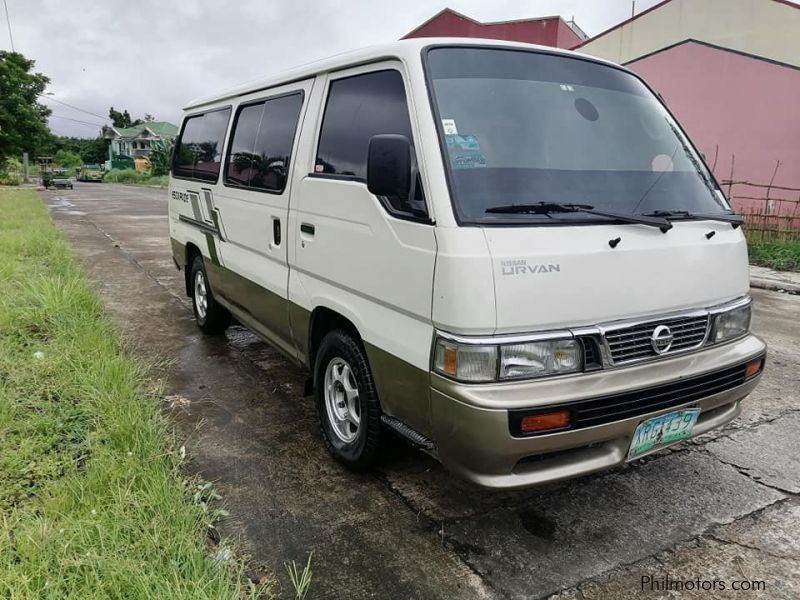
(465, 152)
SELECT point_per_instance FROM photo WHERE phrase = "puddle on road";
(62, 205)
(537, 525)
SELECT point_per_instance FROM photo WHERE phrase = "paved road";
(721, 507)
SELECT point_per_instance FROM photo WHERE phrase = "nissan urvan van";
(511, 256)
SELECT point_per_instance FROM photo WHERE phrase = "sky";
(153, 56)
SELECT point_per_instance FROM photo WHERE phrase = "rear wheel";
(349, 411)
(211, 317)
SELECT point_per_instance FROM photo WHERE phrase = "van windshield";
(521, 127)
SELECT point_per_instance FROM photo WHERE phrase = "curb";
(775, 286)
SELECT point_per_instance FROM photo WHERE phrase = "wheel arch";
(192, 250)
(322, 321)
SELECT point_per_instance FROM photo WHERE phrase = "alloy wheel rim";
(342, 400)
(200, 295)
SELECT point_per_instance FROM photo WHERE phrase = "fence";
(771, 212)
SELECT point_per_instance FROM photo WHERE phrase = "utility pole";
(8, 21)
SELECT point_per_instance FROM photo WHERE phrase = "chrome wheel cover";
(341, 400)
(200, 295)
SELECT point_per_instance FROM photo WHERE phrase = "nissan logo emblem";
(661, 340)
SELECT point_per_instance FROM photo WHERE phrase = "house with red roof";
(546, 31)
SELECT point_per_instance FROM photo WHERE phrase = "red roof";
(547, 31)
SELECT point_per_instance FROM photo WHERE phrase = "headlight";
(537, 359)
(479, 362)
(732, 324)
(467, 362)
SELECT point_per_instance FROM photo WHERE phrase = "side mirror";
(389, 166)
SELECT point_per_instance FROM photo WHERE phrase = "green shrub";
(136, 177)
(67, 160)
(10, 179)
(161, 181)
(780, 254)
(160, 156)
(125, 176)
(11, 172)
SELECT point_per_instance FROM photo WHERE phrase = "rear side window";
(359, 107)
(198, 153)
(261, 144)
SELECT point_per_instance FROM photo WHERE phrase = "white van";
(512, 256)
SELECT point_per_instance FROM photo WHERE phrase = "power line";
(77, 121)
(8, 20)
(46, 97)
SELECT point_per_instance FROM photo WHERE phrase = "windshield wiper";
(544, 208)
(733, 219)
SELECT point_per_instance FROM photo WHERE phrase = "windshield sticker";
(662, 163)
(465, 152)
(449, 126)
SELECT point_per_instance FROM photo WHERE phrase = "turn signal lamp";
(545, 422)
(753, 368)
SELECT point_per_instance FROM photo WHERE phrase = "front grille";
(591, 355)
(607, 409)
(634, 342)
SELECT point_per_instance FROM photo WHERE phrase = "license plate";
(662, 431)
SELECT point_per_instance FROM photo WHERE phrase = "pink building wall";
(550, 31)
(747, 106)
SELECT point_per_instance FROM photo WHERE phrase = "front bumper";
(471, 422)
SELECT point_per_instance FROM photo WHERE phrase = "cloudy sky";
(152, 56)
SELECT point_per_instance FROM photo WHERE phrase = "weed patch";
(92, 502)
(780, 254)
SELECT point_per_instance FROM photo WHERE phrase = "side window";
(359, 107)
(198, 153)
(240, 156)
(262, 143)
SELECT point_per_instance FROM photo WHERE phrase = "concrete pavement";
(779, 281)
(722, 506)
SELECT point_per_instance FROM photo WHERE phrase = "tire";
(212, 318)
(340, 369)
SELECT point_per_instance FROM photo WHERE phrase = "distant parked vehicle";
(60, 179)
(46, 171)
(90, 173)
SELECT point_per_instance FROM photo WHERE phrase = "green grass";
(134, 177)
(783, 255)
(92, 501)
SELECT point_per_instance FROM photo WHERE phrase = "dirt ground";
(720, 509)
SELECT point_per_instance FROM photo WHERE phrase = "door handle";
(276, 231)
(307, 228)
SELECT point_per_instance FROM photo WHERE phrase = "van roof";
(404, 50)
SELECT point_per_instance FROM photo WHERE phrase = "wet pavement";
(722, 507)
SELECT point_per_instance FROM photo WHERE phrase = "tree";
(23, 121)
(160, 157)
(91, 150)
(67, 160)
(122, 119)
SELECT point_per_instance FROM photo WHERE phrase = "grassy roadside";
(134, 177)
(783, 255)
(92, 503)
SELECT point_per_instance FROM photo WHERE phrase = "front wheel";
(211, 317)
(347, 402)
